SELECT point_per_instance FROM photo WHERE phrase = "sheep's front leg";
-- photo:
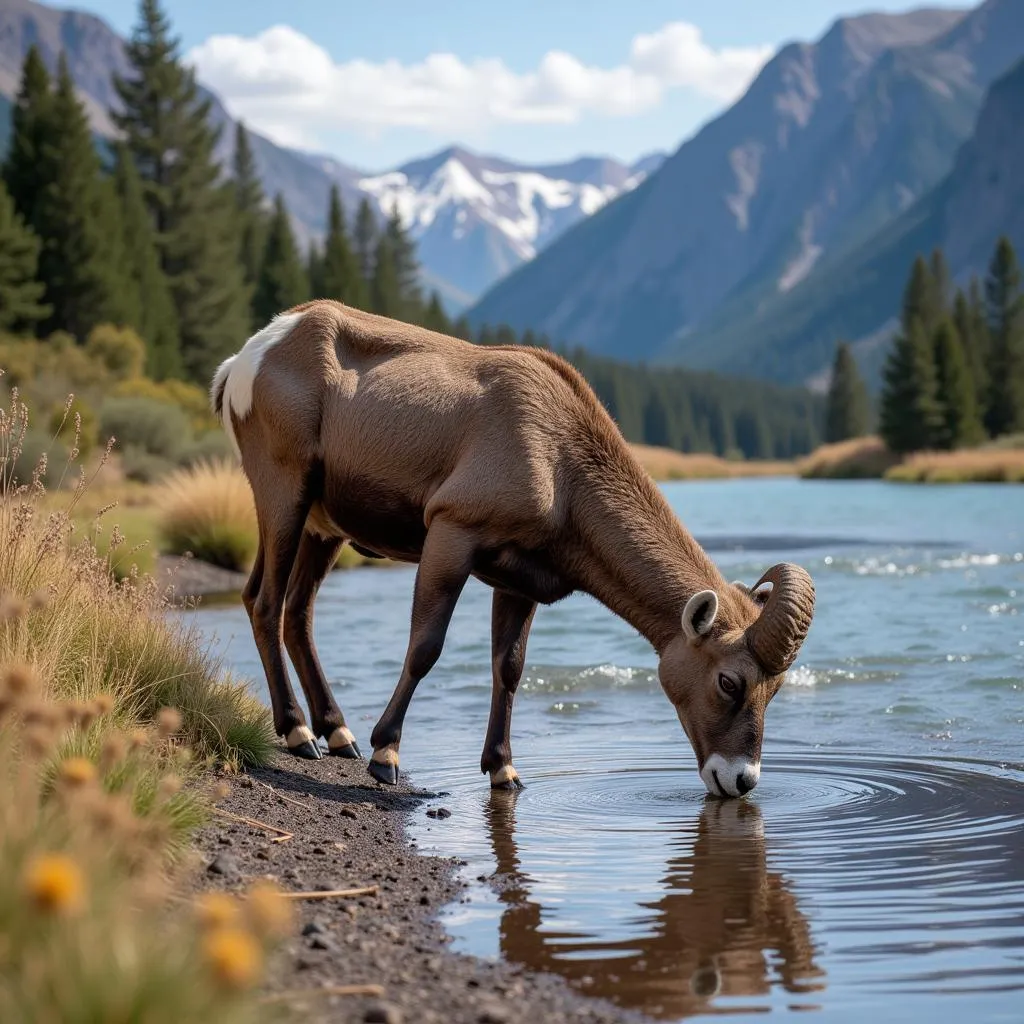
(511, 617)
(445, 565)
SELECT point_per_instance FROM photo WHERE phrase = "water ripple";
(621, 876)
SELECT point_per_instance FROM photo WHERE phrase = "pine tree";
(1005, 406)
(847, 412)
(461, 328)
(955, 391)
(342, 277)
(31, 124)
(969, 320)
(920, 299)
(249, 198)
(167, 130)
(911, 419)
(282, 282)
(434, 317)
(407, 270)
(385, 295)
(315, 271)
(152, 310)
(81, 255)
(365, 239)
(942, 282)
(20, 292)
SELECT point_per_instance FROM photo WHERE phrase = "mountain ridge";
(459, 265)
(832, 142)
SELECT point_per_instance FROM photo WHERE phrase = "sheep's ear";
(741, 585)
(699, 614)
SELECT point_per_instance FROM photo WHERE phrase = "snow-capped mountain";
(476, 218)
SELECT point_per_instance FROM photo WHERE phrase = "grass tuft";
(109, 715)
(208, 511)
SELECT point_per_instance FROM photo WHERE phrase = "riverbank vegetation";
(110, 717)
(81, 251)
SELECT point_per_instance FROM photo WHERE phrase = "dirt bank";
(349, 832)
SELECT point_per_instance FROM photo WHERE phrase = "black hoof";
(309, 751)
(509, 785)
(349, 750)
(385, 773)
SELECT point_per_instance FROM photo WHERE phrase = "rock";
(439, 812)
(383, 1013)
(245, 782)
(226, 841)
(348, 812)
(320, 942)
(493, 1015)
(313, 928)
(222, 864)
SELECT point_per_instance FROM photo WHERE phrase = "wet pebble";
(439, 812)
(313, 928)
(348, 812)
(320, 942)
(493, 1015)
(383, 1013)
(222, 864)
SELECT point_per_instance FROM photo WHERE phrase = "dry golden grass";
(856, 459)
(976, 465)
(105, 711)
(208, 511)
(868, 458)
(668, 464)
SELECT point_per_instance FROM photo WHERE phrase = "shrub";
(25, 460)
(193, 400)
(157, 428)
(118, 349)
(211, 446)
(76, 426)
(146, 468)
(208, 511)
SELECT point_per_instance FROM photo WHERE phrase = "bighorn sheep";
(494, 462)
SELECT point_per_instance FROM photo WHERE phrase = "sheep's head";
(728, 663)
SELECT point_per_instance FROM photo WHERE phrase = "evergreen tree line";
(954, 376)
(147, 233)
(687, 410)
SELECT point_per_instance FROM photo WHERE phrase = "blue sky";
(377, 83)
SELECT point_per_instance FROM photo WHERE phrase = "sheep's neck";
(638, 560)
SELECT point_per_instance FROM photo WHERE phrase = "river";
(878, 868)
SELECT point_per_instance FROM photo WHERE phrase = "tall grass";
(859, 458)
(95, 633)
(997, 465)
(108, 716)
(208, 511)
(668, 464)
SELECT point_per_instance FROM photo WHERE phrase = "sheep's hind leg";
(315, 559)
(511, 618)
(282, 505)
(445, 565)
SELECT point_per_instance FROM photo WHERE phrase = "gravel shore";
(349, 832)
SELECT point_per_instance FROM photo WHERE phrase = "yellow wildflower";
(217, 909)
(54, 883)
(270, 913)
(234, 956)
(77, 772)
(168, 721)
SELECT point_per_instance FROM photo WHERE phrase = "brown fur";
(498, 462)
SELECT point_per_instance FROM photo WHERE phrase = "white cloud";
(288, 86)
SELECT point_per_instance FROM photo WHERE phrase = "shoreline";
(349, 832)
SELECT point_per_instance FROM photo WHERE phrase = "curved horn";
(777, 635)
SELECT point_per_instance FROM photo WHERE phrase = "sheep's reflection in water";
(726, 929)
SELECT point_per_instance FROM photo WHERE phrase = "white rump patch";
(238, 372)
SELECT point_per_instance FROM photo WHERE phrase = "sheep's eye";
(729, 687)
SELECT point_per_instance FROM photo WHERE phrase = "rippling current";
(878, 868)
